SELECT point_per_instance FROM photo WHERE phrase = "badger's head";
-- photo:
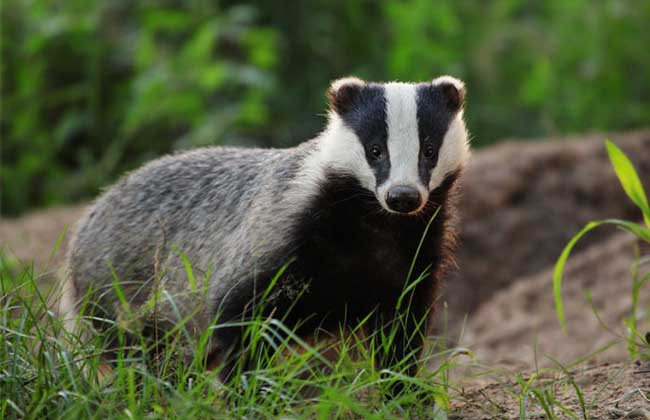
(400, 140)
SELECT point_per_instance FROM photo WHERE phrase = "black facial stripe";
(434, 118)
(367, 118)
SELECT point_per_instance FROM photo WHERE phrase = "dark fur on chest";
(352, 257)
(349, 259)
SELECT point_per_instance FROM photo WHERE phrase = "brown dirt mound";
(522, 202)
(518, 326)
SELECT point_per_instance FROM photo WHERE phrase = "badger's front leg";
(238, 344)
(231, 332)
(401, 331)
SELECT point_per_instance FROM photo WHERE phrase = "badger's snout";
(403, 198)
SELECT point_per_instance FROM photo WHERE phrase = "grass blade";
(188, 270)
(629, 179)
(637, 230)
(417, 251)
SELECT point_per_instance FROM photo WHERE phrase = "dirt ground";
(521, 203)
(518, 327)
(610, 391)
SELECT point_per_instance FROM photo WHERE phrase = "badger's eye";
(375, 152)
(429, 151)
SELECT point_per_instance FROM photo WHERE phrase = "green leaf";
(58, 243)
(634, 228)
(629, 179)
(188, 270)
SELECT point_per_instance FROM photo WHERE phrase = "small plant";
(632, 185)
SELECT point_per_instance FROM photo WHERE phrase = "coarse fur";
(239, 215)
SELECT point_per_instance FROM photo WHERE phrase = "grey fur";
(226, 209)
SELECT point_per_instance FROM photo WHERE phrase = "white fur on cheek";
(340, 149)
(453, 153)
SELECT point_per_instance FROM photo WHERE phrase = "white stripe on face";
(403, 139)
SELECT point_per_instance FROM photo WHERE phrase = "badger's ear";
(343, 94)
(453, 91)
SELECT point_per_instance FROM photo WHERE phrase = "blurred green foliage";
(93, 88)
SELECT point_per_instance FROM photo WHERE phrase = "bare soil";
(609, 391)
(518, 327)
(521, 203)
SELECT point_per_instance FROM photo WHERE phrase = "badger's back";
(200, 206)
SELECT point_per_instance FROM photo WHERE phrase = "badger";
(327, 231)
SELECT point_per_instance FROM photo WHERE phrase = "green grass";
(46, 371)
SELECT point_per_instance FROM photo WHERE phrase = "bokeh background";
(91, 89)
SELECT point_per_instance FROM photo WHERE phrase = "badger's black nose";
(403, 199)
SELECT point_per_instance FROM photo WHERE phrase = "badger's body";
(345, 210)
